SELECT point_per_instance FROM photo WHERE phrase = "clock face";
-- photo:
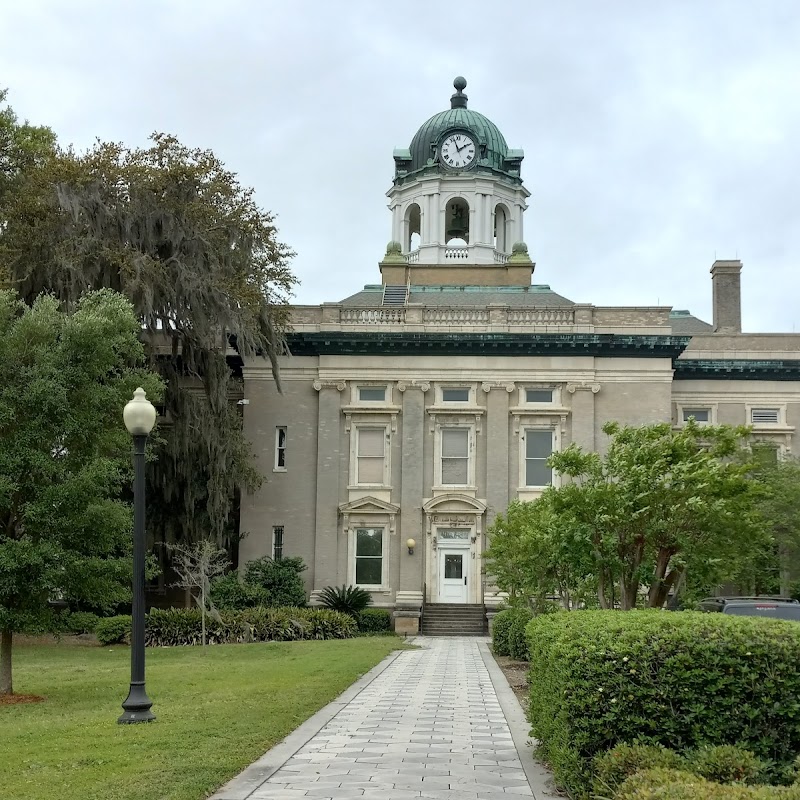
(457, 151)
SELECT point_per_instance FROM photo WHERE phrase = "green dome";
(493, 153)
(423, 145)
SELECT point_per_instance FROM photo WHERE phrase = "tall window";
(538, 448)
(455, 456)
(277, 542)
(280, 447)
(371, 455)
(369, 556)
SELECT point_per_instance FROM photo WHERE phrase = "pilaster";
(411, 461)
(326, 542)
(498, 396)
(583, 413)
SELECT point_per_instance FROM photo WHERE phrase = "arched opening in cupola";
(413, 228)
(457, 222)
(502, 221)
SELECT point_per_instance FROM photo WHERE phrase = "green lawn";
(217, 711)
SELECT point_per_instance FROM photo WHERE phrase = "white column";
(425, 228)
(396, 219)
(480, 219)
(518, 233)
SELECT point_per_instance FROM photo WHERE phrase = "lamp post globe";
(139, 414)
(140, 417)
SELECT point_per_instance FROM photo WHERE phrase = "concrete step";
(453, 619)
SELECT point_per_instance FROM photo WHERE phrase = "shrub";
(374, 620)
(501, 624)
(350, 600)
(727, 764)
(113, 630)
(281, 580)
(80, 622)
(182, 626)
(167, 627)
(685, 680)
(613, 767)
(228, 592)
(517, 636)
(666, 784)
(323, 623)
(509, 633)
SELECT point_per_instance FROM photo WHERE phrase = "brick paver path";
(429, 726)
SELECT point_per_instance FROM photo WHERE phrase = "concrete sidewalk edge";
(539, 777)
(260, 771)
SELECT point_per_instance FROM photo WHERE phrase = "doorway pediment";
(369, 505)
(454, 503)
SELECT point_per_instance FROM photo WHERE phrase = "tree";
(64, 457)
(170, 228)
(660, 504)
(778, 505)
(535, 553)
(196, 566)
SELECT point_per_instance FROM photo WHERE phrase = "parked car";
(770, 607)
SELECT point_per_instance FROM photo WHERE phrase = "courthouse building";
(419, 407)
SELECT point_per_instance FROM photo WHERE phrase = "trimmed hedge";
(613, 767)
(723, 764)
(666, 784)
(509, 633)
(78, 622)
(179, 626)
(113, 630)
(374, 620)
(682, 680)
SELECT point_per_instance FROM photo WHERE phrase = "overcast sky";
(657, 135)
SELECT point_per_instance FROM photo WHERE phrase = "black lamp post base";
(137, 706)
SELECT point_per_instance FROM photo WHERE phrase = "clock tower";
(457, 204)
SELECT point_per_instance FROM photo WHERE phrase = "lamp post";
(139, 416)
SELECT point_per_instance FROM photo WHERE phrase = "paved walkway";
(440, 722)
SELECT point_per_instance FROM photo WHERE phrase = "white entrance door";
(453, 575)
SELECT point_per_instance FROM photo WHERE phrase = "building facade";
(414, 411)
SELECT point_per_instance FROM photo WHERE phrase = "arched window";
(457, 221)
(413, 227)
(501, 229)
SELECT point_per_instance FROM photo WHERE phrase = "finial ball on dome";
(460, 84)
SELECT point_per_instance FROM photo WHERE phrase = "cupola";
(457, 200)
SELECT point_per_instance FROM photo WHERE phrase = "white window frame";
(470, 427)
(554, 403)
(275, 530)
(780, 421)
(353, 537)
(280, 449)
(470, 401)
(691, 405)
(523, 470)
(387, 454)
(686, 411)
(355, 397)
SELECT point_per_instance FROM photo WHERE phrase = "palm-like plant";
(348, 599)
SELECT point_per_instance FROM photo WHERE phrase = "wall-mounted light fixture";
(411, 544)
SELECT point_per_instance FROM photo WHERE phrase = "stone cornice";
(391, 343)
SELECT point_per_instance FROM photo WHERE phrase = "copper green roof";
(493, 152)
(423, 145)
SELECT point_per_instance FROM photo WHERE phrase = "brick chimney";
(727, 285)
